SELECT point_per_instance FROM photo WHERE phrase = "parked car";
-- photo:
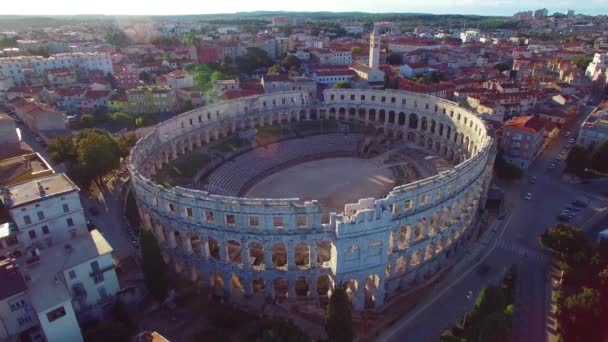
(533, 180)
(94, 211)
(528, 196)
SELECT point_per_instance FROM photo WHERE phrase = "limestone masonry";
(282, 248)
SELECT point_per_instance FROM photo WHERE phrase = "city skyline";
(181, 7)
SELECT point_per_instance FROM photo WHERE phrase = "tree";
(342, 85)
(506, 170)
(491, 299)
(63, 150)
(153, 266)
(291, 62)
(188, 106)
(338, 317)
(582, 61)
(564, 240)
(355, 50)
(125, 143)
(580, 317)
(98, 153)
(599, 158)
(87, 121)
(496, 327)
(117, 38)
(577, 161)
(254, 58)
(394, 58)
(189, 38)
(123, 119)
(275, 69)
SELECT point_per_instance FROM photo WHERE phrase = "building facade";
(150, 99)
(522, 140)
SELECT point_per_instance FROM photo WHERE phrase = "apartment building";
(522, 140)
(150, 99)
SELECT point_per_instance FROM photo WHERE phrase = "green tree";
(188, 105)
(581, 317)
(342, 85)
(117, 38)
(564, 240)
(577, 161)
(63, 150)
(506, 170)
(190, 38)
(139, 121)
(291, 62)
(125, 143)
(123, 119)
(98, 153)
(153, 266)
(338, 317)
(599, 158)
(496, 327)
(87, 121)
(491, 299)
(582, 61)
(254, 58)
(355, 50)
(502, 67)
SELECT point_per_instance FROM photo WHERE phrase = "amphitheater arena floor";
(333, 182)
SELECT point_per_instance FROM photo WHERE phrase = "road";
(524, 222)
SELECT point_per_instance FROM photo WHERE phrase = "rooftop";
(12, 281)
(44, 272)
(32, 191)
(525, 123)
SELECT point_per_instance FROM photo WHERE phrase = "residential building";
(150, 99)
(598, 64)
(331, 57)
(39, 117)
(522, 140)
(283, 82)
(328, 76)
(594, 129)
(178, 79)
(127, 78)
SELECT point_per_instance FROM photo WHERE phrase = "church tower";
(374, 49)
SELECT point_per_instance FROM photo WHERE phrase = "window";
(254, 221)
(362, 97)
(277, 222)
(209, 216)
(383, 99)
(70, 222)
(66, 208)
(302, 221)
(40, 215)
(103, 294)
(32, 234)
(230, 219)
(55, 314)
(17, 305)
(27, 219)
(45, 230)
(72, 274)
(189, 212)
(408, 204)
(24, 320)
(171, 207)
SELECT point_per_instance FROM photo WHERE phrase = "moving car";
(528, 196)
(533, 180)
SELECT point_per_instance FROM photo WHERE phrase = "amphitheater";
(378, 190)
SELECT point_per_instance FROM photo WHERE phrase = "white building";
(594, 130)
(14, 67)
(598, 63)
(469, 36)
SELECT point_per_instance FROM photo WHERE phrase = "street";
(524, 222)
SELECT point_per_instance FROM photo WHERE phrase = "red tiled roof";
(97, 94)
(525, 123)
(237, 94)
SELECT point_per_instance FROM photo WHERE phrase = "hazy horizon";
(194, 7)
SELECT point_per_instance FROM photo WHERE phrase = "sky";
(156, 7)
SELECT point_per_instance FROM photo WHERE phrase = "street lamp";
(469, 296)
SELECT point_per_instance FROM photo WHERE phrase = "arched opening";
(281, 289)
(195, 244)
(430, 251)
(372, 115)
(371, 287)
(324, 288)
(258, 286)
(416, 258)
(423, 124)
(401, 120)
(404, 236)
(217, 282)
(342, 113)
(214, 248)
(411, 137)
(413, 121)
(177, 239)
(418, 234)
(302, 256)
(324, 253)
(391, 117)
(256, 256)
(352, 113)
(381, 115)
(441, 129)
(351, 288)
(279, 256)
(401, 265)
(362, 114)
(441, 245)
(237, 289)
(301, 287)
(233, 250)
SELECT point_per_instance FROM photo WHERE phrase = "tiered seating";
(235, 177)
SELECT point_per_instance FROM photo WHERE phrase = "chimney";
(41, 189)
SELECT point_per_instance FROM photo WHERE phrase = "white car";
(528, 196)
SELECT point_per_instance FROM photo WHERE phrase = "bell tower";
(374, 49)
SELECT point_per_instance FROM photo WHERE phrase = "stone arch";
(258, 286)
(441, 129)
(217, 281)
(214, 248)
(302, 255)
(281, 289)
(429, 144)
(391, 117)
(196, 275)
(437, 148)
(362, 113)
(416, 258)
(405, 233)
(352, 112)
(194, 243)
(233, 251)
(441, 244)
(430, 251)
(256, 256)
(301, 287)
(419, 230)
(371, 288)
(411, 137)
(401, 264)
(342, 113)
(352, 286)
(279, 256)
(372, 115)
(324, 251)
(237, 289)
(413, 122)
(382, 115)
(433, 126)
(325, 286)
(424, 124)
(401, 119)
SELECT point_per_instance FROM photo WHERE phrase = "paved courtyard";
(333, 182)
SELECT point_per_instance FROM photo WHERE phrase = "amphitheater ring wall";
(281, 248)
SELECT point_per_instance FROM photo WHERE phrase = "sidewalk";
(477, 253)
